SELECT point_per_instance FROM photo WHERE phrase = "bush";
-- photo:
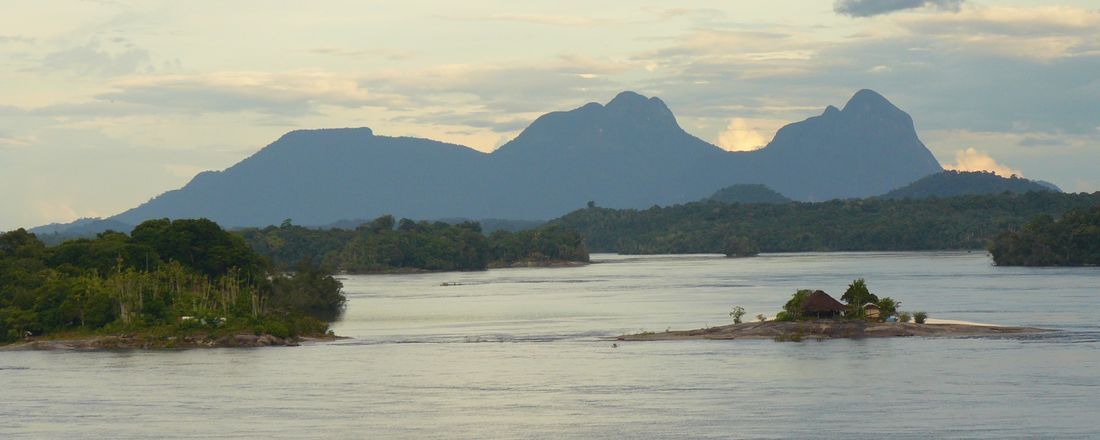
(903, 317)
(919, 317)
(737, 313)
(761, 317)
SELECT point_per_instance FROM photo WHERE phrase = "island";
(817, 315)
(184, 283)
(386, 245)
(1072, 240)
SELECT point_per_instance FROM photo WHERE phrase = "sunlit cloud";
(740, 135)
(974, 160)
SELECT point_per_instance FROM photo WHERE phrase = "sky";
(107, 103)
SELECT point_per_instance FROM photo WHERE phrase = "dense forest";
(748, 193)
(965, 222)
(1073, 240)
(166, 278)
(953, 183)
(386, 245)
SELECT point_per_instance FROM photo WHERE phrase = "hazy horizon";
(107, 104)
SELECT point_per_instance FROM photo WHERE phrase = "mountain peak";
(868, 101)
(641, 109)
(628, 99)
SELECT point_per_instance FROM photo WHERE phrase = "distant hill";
(748, 193)
(55, 233)
(958, 183)
(875, 224)
(629, 153)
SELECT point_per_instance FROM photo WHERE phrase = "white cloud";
(740, 135)
(974, 160)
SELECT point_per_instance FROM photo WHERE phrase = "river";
(524, 353)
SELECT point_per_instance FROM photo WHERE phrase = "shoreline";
(832, 329)
(141, 342)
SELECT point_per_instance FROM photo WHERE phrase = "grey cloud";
(92, 59)
(870, 8)
(1032, 141)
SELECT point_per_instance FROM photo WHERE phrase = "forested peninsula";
(1072, 240)
(708, 226)
(181, 283)
(388, 246)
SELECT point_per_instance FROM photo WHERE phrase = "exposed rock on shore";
(129, 342)
(829, 329)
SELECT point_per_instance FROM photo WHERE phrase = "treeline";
(965, 222)
(1073, 240)
(167, 277)
(386, 245)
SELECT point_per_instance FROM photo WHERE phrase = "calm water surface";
(521, 353)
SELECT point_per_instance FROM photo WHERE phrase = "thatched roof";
(821, 302)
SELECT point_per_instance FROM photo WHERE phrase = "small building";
(820, 305)
(871, 311)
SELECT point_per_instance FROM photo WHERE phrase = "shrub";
(761, 317)
(737, 313)
(903, 317)
(919, 317)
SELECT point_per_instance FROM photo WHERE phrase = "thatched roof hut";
(821, 305)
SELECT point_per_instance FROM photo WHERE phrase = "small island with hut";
(814, 314)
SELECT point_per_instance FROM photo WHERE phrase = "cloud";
(740, 135)
(290, 93)
(393, 55)
(541, 19)
(974, 160)
(92, 59)
(870, 8)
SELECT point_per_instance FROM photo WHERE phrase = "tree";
(888, 307)
(737, 313)
(740, 247)
(857, 296)
(792, 310)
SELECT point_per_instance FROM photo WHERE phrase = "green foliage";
(166, 271)
(740, 247)
(951, 183)
(749, 193)
(386, 245)
(857, 296)
(309, 291)
(964, 222)
(888, 306)
(1073, 240)
(904, 317)
(919, 317)
(792, 310)
(737, 313)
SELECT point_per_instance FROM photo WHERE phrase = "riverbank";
(145, 342)
(831, 329)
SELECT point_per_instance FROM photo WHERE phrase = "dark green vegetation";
(167, 278)
(748, 193)
(1073, 240)
(386, 245)
(858, 295)
(955, 183)
(965, 222)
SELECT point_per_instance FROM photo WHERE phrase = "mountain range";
(628, 153)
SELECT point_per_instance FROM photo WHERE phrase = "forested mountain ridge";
(953, 183)
(964, 222)
(629, 153)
